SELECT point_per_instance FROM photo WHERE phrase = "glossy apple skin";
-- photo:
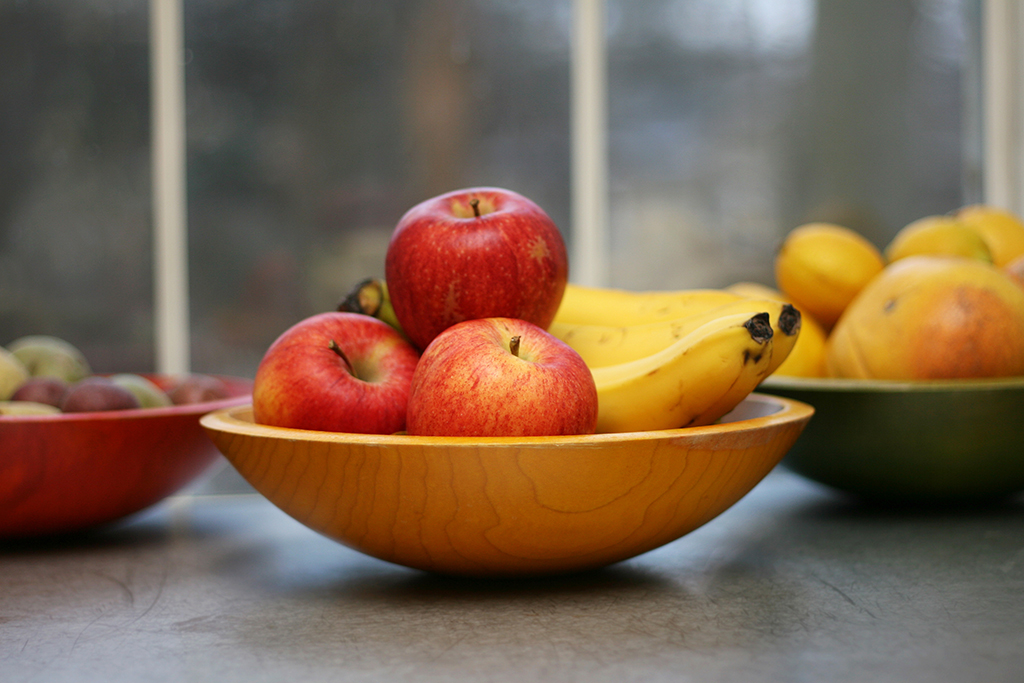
(303, 383)
(468, 383)
(445, 265)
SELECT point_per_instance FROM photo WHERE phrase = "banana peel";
(370, 297)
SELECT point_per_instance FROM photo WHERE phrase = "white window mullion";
(1003, 110)
(589, 125)
(170, 235)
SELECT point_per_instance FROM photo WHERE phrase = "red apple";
(475, 253)
(196, 388)
(501, 377)
(336, 372)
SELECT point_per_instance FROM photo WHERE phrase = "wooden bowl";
(67, 472)
(508, 506)
(948, 441)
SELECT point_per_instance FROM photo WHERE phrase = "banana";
(617, 307)
(603, 345)
(695, 381)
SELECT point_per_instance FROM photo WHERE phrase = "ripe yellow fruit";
(1002, 231)
(931, 317)
(807, 359)
(13, 374)
(755, 290)
(938, 236)
(821, 267)
(1015, 269)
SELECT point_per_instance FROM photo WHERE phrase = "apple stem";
(333, 346)
(475, 203)
(513, 345)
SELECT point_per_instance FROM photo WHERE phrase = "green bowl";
(926, 441)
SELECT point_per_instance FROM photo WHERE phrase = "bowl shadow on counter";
(419, 585)
(150, 529)
(94, 540)
(841, 507)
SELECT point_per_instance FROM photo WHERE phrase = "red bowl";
(67, 472)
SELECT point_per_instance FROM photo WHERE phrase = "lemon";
(1002, 231)
(938, 236)
(821, 267)
(807, 359)
(756, 290)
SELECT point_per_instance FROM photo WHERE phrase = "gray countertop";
(791, 584)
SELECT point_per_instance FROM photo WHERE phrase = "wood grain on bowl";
(507, 506)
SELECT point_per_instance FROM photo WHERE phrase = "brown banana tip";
(789, 320)
(760, 328)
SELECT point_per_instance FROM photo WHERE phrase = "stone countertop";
(794, 583)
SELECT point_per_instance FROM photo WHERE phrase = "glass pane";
(75, 243)
(733, 121)
(314, 125)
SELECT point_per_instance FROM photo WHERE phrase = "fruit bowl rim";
(842, 384)
(237, 420)
(237, 383)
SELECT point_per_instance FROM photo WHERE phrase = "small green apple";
(149, 394)
(48, 356)
(27, 408)
(13, 374)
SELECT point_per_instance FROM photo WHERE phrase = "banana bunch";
(666, 359)
(601, 345)
(695, 381)
(660, 359)
(618, 307)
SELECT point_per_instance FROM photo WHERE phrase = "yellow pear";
(938, 236)
(931, 317)
(48, 356)
(1002, 231)
(820, 267)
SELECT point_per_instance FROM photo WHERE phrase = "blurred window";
(312, 125)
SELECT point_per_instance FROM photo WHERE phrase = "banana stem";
(370, 297)
(760, 327)
(789, 320)
(367, 298)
